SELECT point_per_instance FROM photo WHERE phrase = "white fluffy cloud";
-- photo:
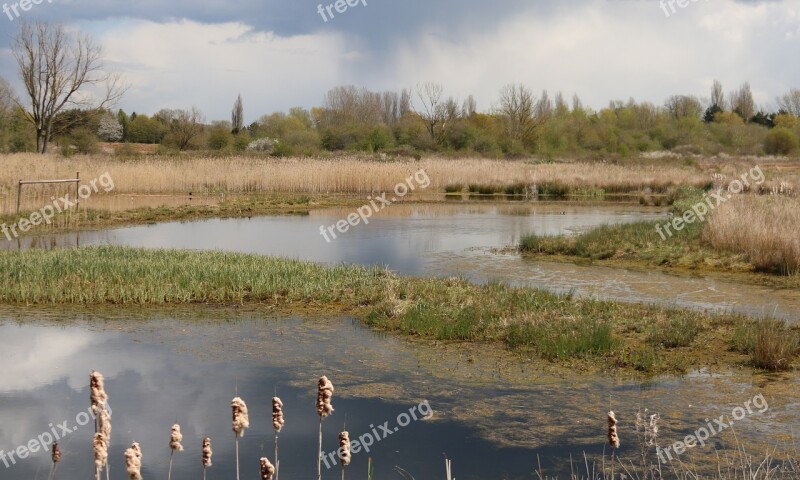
(599, 49)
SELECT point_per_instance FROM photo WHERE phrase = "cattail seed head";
(100, 447)
(97, 391)
(277, 414)
(344, 448)
(613, 439)
(267, 470)
(104, 423)
(56, 453)
(207, 452)
(133, 461)
(241, 420)
(324, 394)
(176, 438)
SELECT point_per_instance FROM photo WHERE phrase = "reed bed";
(765, 229)
(346, 174)
(576, 331)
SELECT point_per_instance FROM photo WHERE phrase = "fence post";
(77, 191)
(19, 193)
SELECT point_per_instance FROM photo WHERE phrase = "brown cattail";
(267, 470)
(277, 414)
(100, 446)
(344, 448)
(133, 461)
(324, 394)
(97, 391)
(240, 419)
(613, 439)
(104, 423)
(56, 453)
(175, 439)
(207, 452)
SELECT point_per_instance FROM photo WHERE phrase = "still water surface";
(493, 415)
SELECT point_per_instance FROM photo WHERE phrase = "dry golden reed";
(100, 447)
(56, 453)
(133, 461)
(207, 453)
(176, 438)
(765, 229)
(613, 438)
(344, 448)
(267, 469)
(344, 174)
(241, 421)
(324, 395)
(277, 414)
(97, 392)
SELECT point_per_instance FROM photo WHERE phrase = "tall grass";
(766, 229)
(347, 174)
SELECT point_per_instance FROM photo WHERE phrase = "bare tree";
(717, 95)
(544, 107)
(469, 108)
(389, 108)
(185, 126)
(55, 66)
(518, 108)
(577, 104)
(742, 102)
(237, 115)
(683, 106)
(404, 106)
(561, 106)
(790, 102)
(430, 95)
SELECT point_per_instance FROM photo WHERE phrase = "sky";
(282, 53)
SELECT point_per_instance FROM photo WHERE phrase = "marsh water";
(494, 415)
(467, 240)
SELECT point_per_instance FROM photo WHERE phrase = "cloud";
(280, 53)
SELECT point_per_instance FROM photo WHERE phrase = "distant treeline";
(420, 120)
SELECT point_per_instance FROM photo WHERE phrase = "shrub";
(264, 145)
(780, 141)
(219, 139)
(84, 140)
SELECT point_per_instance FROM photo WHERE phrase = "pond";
(494, 416)
(468, 240)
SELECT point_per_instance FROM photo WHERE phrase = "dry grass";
(345, 174)
(765, 228)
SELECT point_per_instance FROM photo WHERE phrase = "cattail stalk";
(267, 470)
(277, 424)
(241, 421)
(56, 456)
(344, 450)
(207, 452)
(324, 408)
(613, 438)
(175, 439)
(133, 461)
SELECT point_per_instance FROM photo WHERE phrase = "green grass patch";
(597, 334)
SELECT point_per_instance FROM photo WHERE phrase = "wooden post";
(19, 193)
(77, 191)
